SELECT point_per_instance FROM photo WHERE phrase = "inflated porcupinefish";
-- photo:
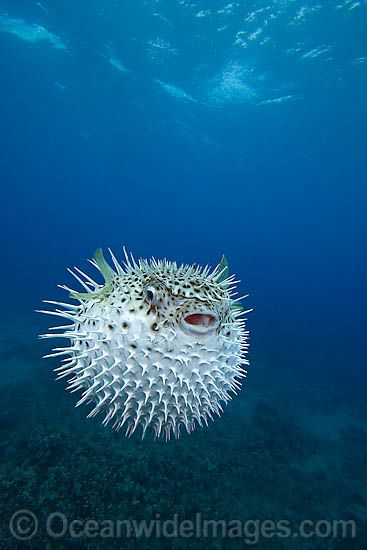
(156, 346)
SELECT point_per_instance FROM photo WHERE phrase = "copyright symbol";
(23, 525)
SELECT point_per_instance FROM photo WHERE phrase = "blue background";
(279, 188)
(93, 156)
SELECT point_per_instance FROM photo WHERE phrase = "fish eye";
(151, 294)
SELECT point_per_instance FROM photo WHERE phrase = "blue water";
(186, 130)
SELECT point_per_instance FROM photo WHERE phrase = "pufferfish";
(157, 346)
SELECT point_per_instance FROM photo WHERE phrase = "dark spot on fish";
(154, 327)
(134, 346)
(124, 324)
(110, 327)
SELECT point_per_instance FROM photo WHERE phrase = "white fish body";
(157, 346)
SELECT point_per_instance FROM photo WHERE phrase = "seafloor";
(288, 447)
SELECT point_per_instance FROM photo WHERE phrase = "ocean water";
(187, 129)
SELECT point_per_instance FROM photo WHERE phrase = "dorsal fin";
(106, 270)
(223, 269)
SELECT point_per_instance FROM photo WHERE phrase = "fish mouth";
(202, 322)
